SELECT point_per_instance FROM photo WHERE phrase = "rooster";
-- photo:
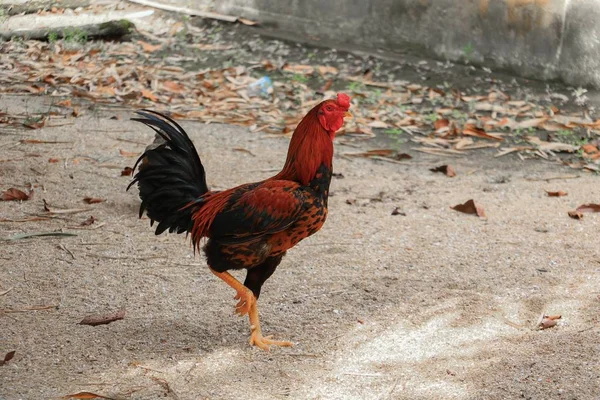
(250, 226)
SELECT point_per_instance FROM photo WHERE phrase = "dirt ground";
(433, 304)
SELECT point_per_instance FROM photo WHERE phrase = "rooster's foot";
(265, 342)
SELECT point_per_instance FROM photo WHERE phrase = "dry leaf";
(530, 123)
(149, 48)
(299, 69)
(440, 123)
(589, 148)
(89, 221)
(13, 194)
(396, 211)
(85, 395)
(378, 124)
(445, 169)
(548, 321)
(472, 130)
(9, 356)
(371, 153)
(247, 21)
(324, 70)
(148, 95)
(128, 153)
(326, 86)
(35, 124)
(551, 146)
(575, 214)
(588, 208)
(94, 320)
(560, 193)
(92, 200)
(469, 207)
(127, 171)
(173, 86)
(64, 103)
(402, 156)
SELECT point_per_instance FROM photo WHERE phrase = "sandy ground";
(431, 305)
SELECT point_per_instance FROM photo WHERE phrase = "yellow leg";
(244, 295)
(256, 337)
(247, 305)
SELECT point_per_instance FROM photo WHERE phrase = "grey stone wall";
(545, 39)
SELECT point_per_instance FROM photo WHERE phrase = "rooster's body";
(250, 226)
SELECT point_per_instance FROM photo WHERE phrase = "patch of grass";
(468, 51)
(52, 37)
(355, 87)
(459, 116)
(3, 16)
(395, 135)
(565, 133)
(373, 97)
(431, 117)
(75, 35)
(393, 131)
(299, 78)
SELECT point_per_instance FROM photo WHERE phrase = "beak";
(347, 114)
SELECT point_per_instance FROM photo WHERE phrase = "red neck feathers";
(311, 146)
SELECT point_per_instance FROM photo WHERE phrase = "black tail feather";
(170, 176)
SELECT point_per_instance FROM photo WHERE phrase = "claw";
(246, 300)
(265, 342)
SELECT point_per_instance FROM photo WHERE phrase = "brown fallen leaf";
(402, 156)
(173, 86)
(589, 148)
(548, 321)
(396, 211)
(65, 103)
(445, 169)
(127, 171)
(35, 124)
(575, 214)
(89, 221)
(7, 358)
(469, 207)
(326, 86)
(560, 193)
(92, 200)
(472, 130)
(247, 21)
(128, 153)
(85, 395)
(94, 320)
(588, 208)
(299, 69)
(53, 160)
(148, 95)
(324, 70)
(371, 153)
(440, 123)
(242, 150)
(149, 48)
(14, 194)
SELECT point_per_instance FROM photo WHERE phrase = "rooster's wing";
(256, 210)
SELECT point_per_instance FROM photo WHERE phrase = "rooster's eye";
(329, 108)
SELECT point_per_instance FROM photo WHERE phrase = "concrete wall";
(546, 39)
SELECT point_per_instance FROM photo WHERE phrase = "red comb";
(343, 100)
